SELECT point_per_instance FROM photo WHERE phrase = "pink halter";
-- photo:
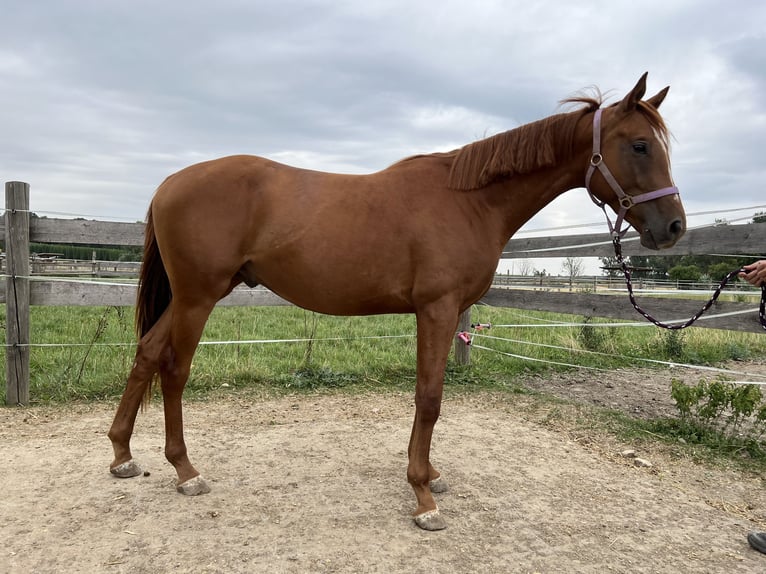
(626, 201)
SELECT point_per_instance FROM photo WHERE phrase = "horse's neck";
(520, 198)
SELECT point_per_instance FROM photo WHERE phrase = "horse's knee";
(428, 408)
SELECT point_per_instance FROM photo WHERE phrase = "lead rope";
(698, 314)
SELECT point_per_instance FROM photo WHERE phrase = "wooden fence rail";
(23, 288)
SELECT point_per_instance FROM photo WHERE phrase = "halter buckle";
(627, 202)
(596, 159)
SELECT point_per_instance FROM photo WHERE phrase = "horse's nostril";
(676, 227)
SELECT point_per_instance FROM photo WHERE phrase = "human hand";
(755, 273)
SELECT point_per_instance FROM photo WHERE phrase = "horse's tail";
(153, 285)
(153, 291)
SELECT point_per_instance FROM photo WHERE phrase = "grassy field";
(86, 352)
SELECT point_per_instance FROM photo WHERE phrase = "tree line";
(82, 252)
(86, 252)
(682, 267)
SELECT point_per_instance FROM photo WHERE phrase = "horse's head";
(631, 138)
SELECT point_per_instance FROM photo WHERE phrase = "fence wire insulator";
(465, 337)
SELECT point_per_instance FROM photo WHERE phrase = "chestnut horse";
(435, 225)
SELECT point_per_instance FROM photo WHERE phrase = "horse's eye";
(640, 148)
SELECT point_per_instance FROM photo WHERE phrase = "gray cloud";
(102, 100)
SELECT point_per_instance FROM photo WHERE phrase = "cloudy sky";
(100, 100)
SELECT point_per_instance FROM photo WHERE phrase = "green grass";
(97, 348)
(679, 438)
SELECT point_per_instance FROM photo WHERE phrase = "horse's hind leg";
(187, 326)
(147, 362)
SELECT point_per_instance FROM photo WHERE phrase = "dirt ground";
(317, 484)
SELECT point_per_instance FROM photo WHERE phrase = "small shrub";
(736, 351)
(673, 344)
(590, 337)
(721, 406)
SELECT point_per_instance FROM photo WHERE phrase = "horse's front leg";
(436, 328)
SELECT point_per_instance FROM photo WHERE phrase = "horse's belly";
(334, 299)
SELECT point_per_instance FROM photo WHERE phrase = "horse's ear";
(659, 98)
(629, 103)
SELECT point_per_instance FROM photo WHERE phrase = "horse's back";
(334, 243)
(290, 229)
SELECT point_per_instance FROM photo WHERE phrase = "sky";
(101, 100)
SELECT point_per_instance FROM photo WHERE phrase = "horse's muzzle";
(664, 238)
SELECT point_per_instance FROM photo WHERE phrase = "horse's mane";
(530, 147)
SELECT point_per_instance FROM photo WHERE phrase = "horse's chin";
(650, 242)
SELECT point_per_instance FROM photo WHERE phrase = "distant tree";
(718, 271)
(659, 265)
(711, 265)
(573, 267)
(525, 268)
(610, 267)
(685, 273)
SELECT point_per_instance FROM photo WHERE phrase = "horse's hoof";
(126, 469)
(438, 485)
(431, 520)
(194, 486)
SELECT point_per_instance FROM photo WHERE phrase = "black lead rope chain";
(698, 314)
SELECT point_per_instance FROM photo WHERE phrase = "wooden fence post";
(17, 293)
(463, 351)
